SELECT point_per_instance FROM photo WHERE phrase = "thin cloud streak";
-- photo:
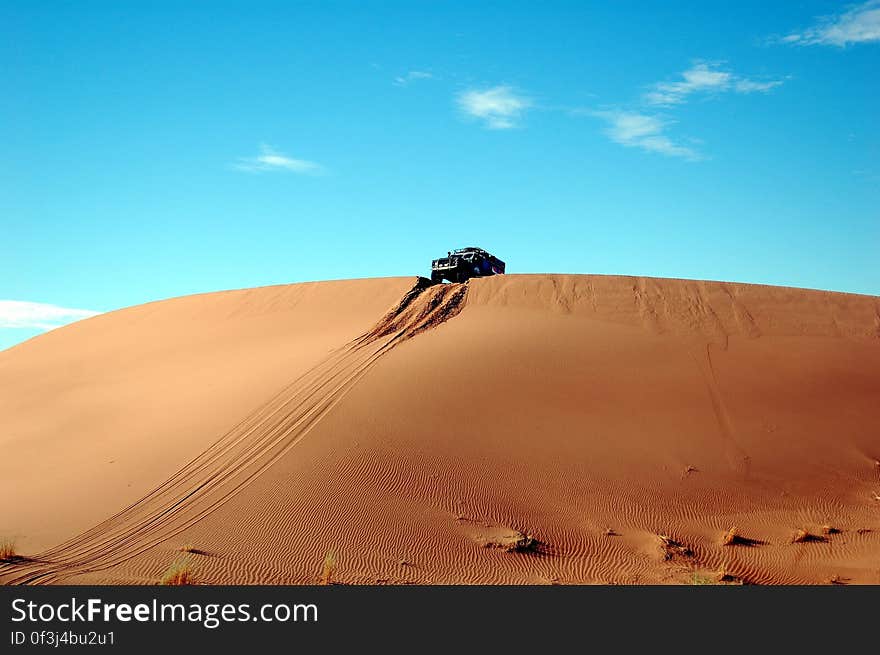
(39, 316)
(270, 159)
(704, 78)
(636, 130)
(750, 86)
(412, 76)
(861, 24)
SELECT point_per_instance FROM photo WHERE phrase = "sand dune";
(515, 429)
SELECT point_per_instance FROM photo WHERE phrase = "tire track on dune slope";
(253, 445)
(737, 457)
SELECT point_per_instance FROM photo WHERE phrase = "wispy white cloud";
(412, 76)
(637, 130)
(706, 78)
(751, 86)
(860, 24)
(699, 78)
(270, 159)
(38, 316)
(498, 107)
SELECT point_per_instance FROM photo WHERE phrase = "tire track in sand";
(243, 453)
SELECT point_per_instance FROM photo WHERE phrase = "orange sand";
(624, 424)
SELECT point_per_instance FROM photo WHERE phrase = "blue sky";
(158, 149)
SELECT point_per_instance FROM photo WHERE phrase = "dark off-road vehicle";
(463, 264)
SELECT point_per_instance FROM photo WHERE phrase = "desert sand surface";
(518, 429)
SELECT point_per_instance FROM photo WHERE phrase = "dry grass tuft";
(514, 542)
(830, 529)
(329, 567)
(720, 577)
(803, 536)
(180, 573)
(524, 543)
(701, 579)
(7, 549)
(731, 537)
(671, 547)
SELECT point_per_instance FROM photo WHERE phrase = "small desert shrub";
(700, 579)
(516, 542)
(715, 578)
(524, 543)
(830, 529)
(329, 567)
(671, 547)
(7, 549)
(179, 573)
(730, 537)
(803, 536)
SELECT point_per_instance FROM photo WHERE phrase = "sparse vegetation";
(180, 573)
(803, 536)
(701, 579)
(7, 549)
(731, 537)
(329, 567)
(524, 543)
(715, 578)
(517, 542)
(830, 529)
(671, 547)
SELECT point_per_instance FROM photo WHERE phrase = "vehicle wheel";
(436, 278)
